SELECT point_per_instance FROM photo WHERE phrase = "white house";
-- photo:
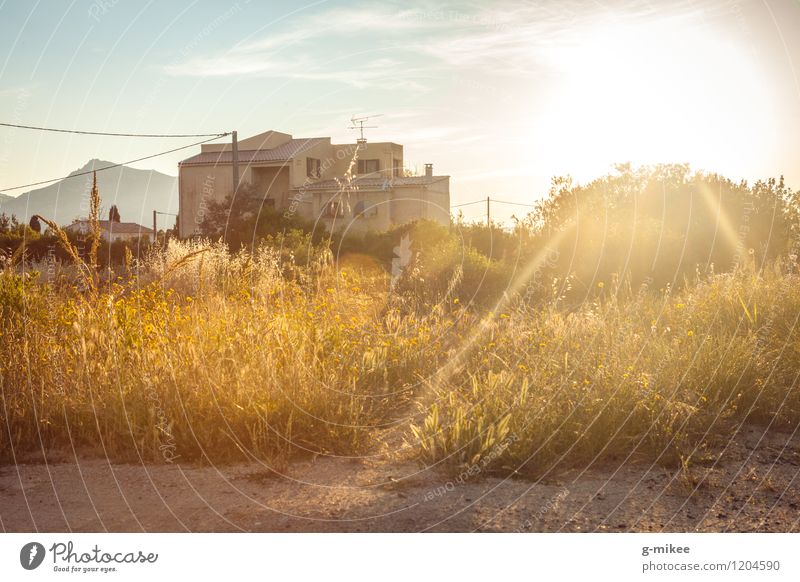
(113, 231)
(306, 176)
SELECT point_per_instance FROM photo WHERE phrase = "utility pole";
(155, 231)
(235, 152)
(488, 216)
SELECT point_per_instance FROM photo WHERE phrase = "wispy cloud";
(304, 51)
(348, 44)
(530, 39)
(405, 47)
(17, 92)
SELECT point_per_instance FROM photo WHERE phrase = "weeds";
(200, 354)
(652, 378)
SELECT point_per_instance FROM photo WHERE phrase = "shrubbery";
(600, 326)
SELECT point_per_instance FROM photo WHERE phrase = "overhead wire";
(110, 166)
(113, 134)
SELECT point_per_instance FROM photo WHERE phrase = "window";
(313, 168)
(365, 209)
(334, 208)
(369, 166)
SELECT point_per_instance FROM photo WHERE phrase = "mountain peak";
(94, 164)
(136, 193)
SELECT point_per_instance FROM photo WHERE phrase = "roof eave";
(241, 163)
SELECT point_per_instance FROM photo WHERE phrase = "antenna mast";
(358, 123)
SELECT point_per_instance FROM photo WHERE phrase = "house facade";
(309, 177)
(112, 231)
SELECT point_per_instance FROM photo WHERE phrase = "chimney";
(429, 170)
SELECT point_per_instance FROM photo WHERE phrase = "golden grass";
(200, 354)
(658, 376)
(204, 355)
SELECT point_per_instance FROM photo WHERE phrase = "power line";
(467, 203)
(111, 166)
(513, 203)
(493, 200)
(215, 135)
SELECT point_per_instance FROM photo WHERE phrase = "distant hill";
(135, 192)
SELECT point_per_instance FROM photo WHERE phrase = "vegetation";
(567, 340)
(241, 221)
(43, 248)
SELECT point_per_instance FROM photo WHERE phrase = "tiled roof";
(116, 227)
(374, 183)
(282, 153)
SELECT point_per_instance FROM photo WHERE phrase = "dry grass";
(657, 376)
(200, 354)
(203, 355)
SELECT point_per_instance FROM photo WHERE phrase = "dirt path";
(753, 486)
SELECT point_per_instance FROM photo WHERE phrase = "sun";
(665, 91)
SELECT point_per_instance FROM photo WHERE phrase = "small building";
(113, 231)
(309, 177)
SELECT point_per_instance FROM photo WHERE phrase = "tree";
(35, 225)
(113, 214)
(244, 219)
(659, 224)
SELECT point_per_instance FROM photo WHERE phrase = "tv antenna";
(358, 123)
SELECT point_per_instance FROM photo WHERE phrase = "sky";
(501, 96)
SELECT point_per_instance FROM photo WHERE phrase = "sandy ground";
(751, 485)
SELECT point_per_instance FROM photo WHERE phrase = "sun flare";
(664, 92)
